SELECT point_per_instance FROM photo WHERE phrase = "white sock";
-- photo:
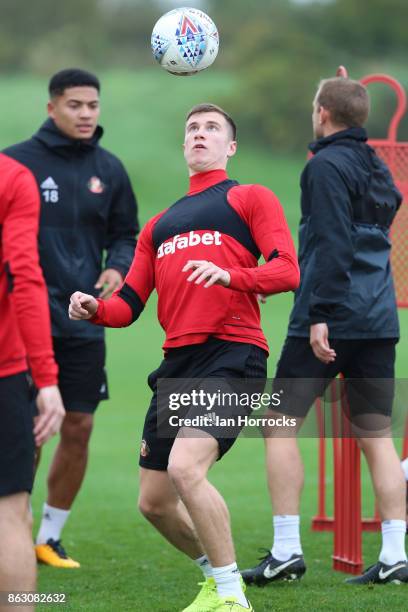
(404, 465)
(286, 541)
(228, 583)
(205, 566)
(393, 542)
(52, 523)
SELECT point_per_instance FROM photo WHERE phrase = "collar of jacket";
(53, 138)
(356, 134)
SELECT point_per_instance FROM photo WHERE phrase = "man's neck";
(203, 180)
(331, 129)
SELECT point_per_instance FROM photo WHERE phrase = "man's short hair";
(346, 100)
(71, 77)
(206, 107)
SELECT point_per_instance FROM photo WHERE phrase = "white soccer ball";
(185, 41)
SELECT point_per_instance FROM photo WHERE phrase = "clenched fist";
(82, 306)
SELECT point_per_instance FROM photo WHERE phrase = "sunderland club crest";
(95, 185)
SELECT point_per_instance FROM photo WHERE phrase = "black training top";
(348, 202)
(87, 209)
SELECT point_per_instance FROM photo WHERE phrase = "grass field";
(126, 565)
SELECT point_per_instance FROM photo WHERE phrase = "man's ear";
(324, 115)
(233, 149)
(50, 109)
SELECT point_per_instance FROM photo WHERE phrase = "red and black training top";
(24, 314)
(223, 222)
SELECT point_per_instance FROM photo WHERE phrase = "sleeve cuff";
(96, 319)
(44, 372)
(313, 320)
(242, 280)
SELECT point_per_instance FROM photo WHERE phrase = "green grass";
(126, 565)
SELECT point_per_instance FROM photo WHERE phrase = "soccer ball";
(185, 41)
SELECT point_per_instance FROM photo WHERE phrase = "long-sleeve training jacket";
(88, 210)
(220, 221)
(349, 201)
(25, 328)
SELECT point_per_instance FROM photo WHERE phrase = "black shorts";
(16, 434)
(82, 376)
(216, 359)
(367, 367)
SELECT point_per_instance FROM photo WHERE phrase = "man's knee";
(376, 446)
(282, 446)
(184, 475)
(154, 506)
(76, 431)
(15, 511)
(190, 460)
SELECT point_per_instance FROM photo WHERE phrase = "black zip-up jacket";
(348, 203)
(88, 217)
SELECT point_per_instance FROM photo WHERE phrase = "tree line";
(278, 50)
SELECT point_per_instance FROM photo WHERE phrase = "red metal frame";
(401, 102)
(390, 144)
(347, 549)
(321, 522)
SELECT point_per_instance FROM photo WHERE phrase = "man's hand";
(51, 414)
(342, 72)
(108, 281)
(206, 270)
(82, 306)
(319, 340)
